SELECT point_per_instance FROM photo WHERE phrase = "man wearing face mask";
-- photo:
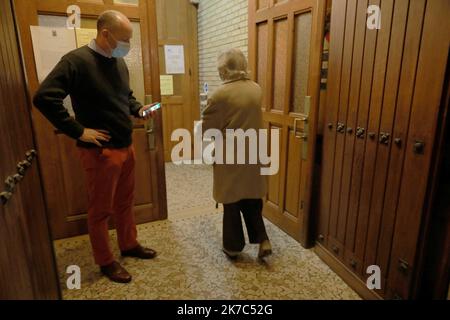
(97, 80)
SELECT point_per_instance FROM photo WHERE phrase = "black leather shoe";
(140, 252)
(116, 273)
(233, 255)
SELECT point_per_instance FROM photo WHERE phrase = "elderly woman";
(239, 187)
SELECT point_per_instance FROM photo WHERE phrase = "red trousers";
(110, 185)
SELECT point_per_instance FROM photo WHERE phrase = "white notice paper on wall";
(49, 46)
(174, 59)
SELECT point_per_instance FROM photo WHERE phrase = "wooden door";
(63, 177)
(285, 47)
(26, 254)
(383, 105)
(177, 25)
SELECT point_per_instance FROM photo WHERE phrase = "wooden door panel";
(342, 118)
(262, 57)
(73, 177)
(145, 182)
(293, 172)
(386, 123)
(177, 25)
(351, 122)
(360, 144)
(336, 48)
(285, 49)
(374, 184)
(378, 85)
(274, 181)
(404, 99)
(422, 127)
(280, 58)
(26, 257)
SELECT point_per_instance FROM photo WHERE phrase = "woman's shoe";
(265, 249)
(231, 254)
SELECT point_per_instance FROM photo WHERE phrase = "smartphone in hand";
(151, 108)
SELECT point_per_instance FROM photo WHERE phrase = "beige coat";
(236, 105)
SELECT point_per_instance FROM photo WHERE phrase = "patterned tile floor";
(191, 264)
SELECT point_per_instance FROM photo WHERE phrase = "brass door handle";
(302, 119)
(150, 129)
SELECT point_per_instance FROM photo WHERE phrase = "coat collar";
(237, 79)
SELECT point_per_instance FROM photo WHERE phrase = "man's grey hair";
(110, 19)
(232, 65)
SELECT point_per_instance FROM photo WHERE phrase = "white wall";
(222, 24)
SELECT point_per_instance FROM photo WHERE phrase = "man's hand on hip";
(95, 136)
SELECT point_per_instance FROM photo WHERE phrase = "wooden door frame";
(433, 272)
(315, 67)
(146, 15)
(44, 280)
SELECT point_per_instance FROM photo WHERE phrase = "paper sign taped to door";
(50, 45)
(174, 59)
(166, 85)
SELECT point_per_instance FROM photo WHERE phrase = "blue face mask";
(122, 49)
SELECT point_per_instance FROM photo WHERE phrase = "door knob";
(419, 147)
(340, 127)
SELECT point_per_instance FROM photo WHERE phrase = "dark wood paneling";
(424, 116)
(400, 130)
(384, 151)
(344, 91)
(26, 256)
(373, 190)
(335, 66)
